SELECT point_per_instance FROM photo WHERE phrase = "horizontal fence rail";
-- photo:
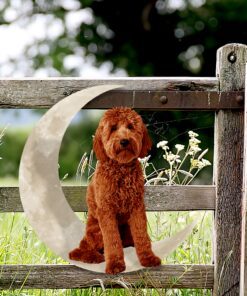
(157, 198)
(140, 93)
(68, 276)
(181, 100)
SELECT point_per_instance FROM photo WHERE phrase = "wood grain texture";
(228, 175)
(69, 276)
(187, 100)
(157, 198)
(44, 93)
(243, 267)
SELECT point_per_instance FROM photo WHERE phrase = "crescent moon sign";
(41, 194)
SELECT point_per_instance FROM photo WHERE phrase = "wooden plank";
(187, 100)
(69, 276)
(243, 268)
(140, 93)
(180, 198)
(147, 100)
(157, 198)
(231, 59)
(37, 93)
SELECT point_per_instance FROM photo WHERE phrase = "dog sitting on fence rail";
(115, 196)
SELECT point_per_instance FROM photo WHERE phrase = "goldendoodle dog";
(115, 196)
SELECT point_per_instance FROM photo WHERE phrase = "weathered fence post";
(243, 274)
(230, 69)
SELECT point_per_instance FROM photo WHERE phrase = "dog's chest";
(128, 192)
(123, 187)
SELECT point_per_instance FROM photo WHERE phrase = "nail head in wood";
(232, 57)
(163, 99)
(240, 99)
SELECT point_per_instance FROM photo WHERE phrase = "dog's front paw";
(86, 256)
(115, 266)
(150, 260)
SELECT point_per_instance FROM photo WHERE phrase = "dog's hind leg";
(90, 245)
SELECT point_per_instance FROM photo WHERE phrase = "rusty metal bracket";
(171, 100)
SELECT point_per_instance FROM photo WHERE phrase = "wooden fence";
(223, 95)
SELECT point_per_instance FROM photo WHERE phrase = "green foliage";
(145, 38)
(77, 139)
(1, 138)
(11, 150)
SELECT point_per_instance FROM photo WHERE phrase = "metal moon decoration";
(41, 194)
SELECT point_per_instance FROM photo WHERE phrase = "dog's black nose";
(124, 142)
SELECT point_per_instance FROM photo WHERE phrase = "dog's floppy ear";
(98, 145)
(146, 143)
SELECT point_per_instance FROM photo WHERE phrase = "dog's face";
(121, 136)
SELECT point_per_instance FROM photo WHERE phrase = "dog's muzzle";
(124, 143)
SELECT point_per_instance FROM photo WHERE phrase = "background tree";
(145, 37)
(136, 38)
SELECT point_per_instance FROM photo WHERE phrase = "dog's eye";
(130, 126)
(113, 128)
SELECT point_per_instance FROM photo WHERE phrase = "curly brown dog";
(115, 196)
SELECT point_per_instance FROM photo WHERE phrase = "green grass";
(20, 245)
(109, 292)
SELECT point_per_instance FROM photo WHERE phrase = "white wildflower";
(194, 149)
(163, 145)
(179, 147)
(144, 159)
(167, 172)
(195, 163)
(192, 134)
(194, 141)
(206, 162)
(171, 158)
(200, 164)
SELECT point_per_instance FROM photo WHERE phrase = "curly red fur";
(115, 196)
